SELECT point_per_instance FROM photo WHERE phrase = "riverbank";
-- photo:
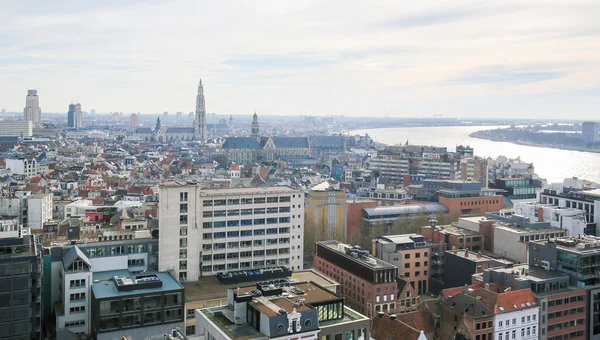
(477, 134)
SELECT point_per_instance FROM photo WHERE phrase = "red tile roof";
(519, 298)
(450, 292)
(386, 328)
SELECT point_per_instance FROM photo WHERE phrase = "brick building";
(368, 284)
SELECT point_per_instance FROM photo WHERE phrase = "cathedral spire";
(200, 119)
(255, 128)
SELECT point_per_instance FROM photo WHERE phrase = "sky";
(526, 59)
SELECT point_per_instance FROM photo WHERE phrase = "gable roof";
(385, 328)
(72, 255)
(290, 142)
(522, 299)
(241, 143)
(143, 130)
(469, 305)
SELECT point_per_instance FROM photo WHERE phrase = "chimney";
(479, 255)
(393, 317)
(466, 288)
(466, 252)
(380, 314)
(540, 214)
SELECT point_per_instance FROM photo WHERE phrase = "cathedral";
(257, 149)
(174, 134)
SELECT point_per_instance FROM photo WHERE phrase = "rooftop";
(406, 209)
(530, 273)
(107, 288)
(475, 257)
(229, 191)
(585, 244)
(362, 256)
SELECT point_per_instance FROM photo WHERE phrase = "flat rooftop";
(475, 257)
(454, 230)
(210, 287)
(585, 245)
(369, 261)
(230, 191)
(520, 230)
(106, 288)
(532, 273)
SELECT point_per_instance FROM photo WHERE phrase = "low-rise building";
(465, 264)
(282, 310)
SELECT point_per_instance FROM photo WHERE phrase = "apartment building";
(391, 167)
(367, 283)
(410, 254)
(282, 310)
(578, 194)
(562, 307)
(482, 314)
(206, 231)
(74, 269)
(464, 264)
(21, 277)
(39, 210)
(473, 169)
(579, 258)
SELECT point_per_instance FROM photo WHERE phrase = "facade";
(141, 306)
(320, 145)
(368, 284)
(74, 269)
(354, 217)
(325, 213)
(473, 169)
(134, 120)
(39, 210)
(392, 167)
(75, 116)
(22, 166)
(21, 277)
(200, 118)
(590, 132)
(385, 195)
(410, 254)
(388, 215)
(282, 310)
(560, 304)
(578, 194)
(517, 188)
(16, 128)
(454, 237)
(32, 111)
(578, 257)
(251, 150)
(204, 232)
(513, 242)
(479, 313)
(571, 219)
(465, 264)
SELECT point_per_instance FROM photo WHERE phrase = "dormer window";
(78, 266)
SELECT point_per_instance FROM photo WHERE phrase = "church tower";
(254, 129)
(200, 119)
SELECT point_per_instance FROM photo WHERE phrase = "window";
(77, 283)
(183, 208)
(77, 309)
(183, 196)
(407, 256)
(77, 297)
(407, 265)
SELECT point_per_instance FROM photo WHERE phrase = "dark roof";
(180, 130)
(327, 141)
(72, 255)
(290, 142)
(469, 305)
(143, 130)
(241, 143)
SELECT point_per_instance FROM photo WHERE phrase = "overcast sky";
(362, 58)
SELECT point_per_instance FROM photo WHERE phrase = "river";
(552, 164)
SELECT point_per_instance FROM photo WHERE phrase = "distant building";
(327, 144)
(22, 166)
(251, 150)
(32, 111)
(517, 188)
(473, 169)
(200, 132)
(325, 213)
(134, 120)
(75, 116)
(590, 132)
(16, 128)
(504, 167)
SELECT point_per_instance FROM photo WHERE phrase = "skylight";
(501, 308)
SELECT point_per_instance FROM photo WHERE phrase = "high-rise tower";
(75, 116)
(32, 111)
(255, 129)
(200, 120)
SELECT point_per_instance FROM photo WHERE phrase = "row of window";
(417, 255)
(245, 233)
(514, 321)
(468, 203)
(562, 313)
(385, 297)
(268, 252)
(246, 265)
(238, 212)
(77, 283)
(114, 250)
(77, 297)
(80, 309)
(483, 325)
(75, 323)
(256, 200)
(417, 274)
(417, 264)
(529, 331)
(571, 335)
(567, 324)
(243, 223)
(565, 301)
(268, 242)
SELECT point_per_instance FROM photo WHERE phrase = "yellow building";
(325, 213)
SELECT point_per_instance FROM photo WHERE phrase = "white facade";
(22, 166)
(390, 167)
(520, 325)
(573, 220)
(204, 232)
(437, 169)
(512, 242)
(39, 210)
(77, 208)
(16, 128)
(503, 167)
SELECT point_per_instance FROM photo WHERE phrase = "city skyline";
(465, 59)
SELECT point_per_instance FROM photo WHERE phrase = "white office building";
(16, 128)
(206, 231)
(32, 111)
(391, 167)
(516, 318)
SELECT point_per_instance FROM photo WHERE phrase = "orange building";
(354, 211)
(459, 205)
